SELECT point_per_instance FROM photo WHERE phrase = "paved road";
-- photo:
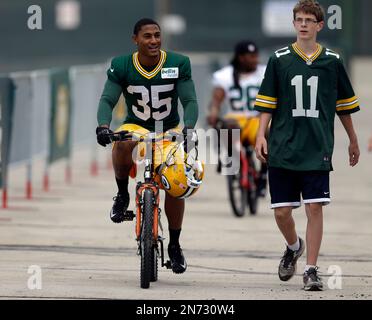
(68, 234)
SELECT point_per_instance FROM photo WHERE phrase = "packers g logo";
(165, 182)
(62, 115)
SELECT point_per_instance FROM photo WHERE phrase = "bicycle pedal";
(129, 216)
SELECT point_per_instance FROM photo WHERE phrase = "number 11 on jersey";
(297, 82)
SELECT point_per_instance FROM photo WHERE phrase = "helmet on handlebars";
(181, 174)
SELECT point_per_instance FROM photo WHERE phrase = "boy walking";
(305, 86)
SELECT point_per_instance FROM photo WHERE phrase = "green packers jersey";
(152, 95)
(304, 94)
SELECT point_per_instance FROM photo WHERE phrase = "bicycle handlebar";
(139, 137)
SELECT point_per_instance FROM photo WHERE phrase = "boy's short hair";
(309, 7)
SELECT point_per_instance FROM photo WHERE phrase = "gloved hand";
(191, 139)
(102, 139)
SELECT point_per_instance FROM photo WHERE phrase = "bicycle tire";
(237, 195)
(154, 264)
(252, 201)
(147, 238)
(252, 196)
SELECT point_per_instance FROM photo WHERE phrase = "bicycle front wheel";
(154, 264)
(147, 244)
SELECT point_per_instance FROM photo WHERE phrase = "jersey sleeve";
(111, 92)
(184, 69)
(219, 80)
(114, 72)
(267, 97)
(187, 94)
(109, 98)
(347, 102)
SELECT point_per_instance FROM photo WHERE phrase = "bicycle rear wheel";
(147, 243)
(237, 195)
(252, 195)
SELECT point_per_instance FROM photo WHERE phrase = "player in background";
(237, 85)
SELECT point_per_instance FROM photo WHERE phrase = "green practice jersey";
(151, 95)
(304, 94)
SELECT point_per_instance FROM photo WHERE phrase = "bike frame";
(149, 183)
(245, 168)
(152, 185)
(247, 176)
(244, 153)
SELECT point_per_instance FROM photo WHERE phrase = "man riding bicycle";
(151, 81)
(238, 85)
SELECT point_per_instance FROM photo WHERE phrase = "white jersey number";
(156, 103)
(243, 98)
(297, 82)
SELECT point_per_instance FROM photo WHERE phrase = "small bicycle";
(150, 243)
(242, 186)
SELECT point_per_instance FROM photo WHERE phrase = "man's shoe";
(288, 263)
(312, 282)
(178, 262)
(121, 203)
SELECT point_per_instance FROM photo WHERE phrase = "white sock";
(308, 266)
(295, 246)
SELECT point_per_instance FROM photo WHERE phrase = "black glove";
(191, 139)
(102, 138)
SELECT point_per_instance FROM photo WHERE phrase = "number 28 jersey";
(151, 95)
(304, 94)
(242, 98)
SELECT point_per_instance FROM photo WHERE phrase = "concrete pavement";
(82, 254)
(68, 234)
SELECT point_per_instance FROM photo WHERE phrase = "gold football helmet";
(181, 174)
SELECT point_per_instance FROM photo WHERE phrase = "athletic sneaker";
(178, 262)
(121, 203)
(312, 282)
(288, 263)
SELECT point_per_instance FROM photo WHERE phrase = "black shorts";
(286, 187)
